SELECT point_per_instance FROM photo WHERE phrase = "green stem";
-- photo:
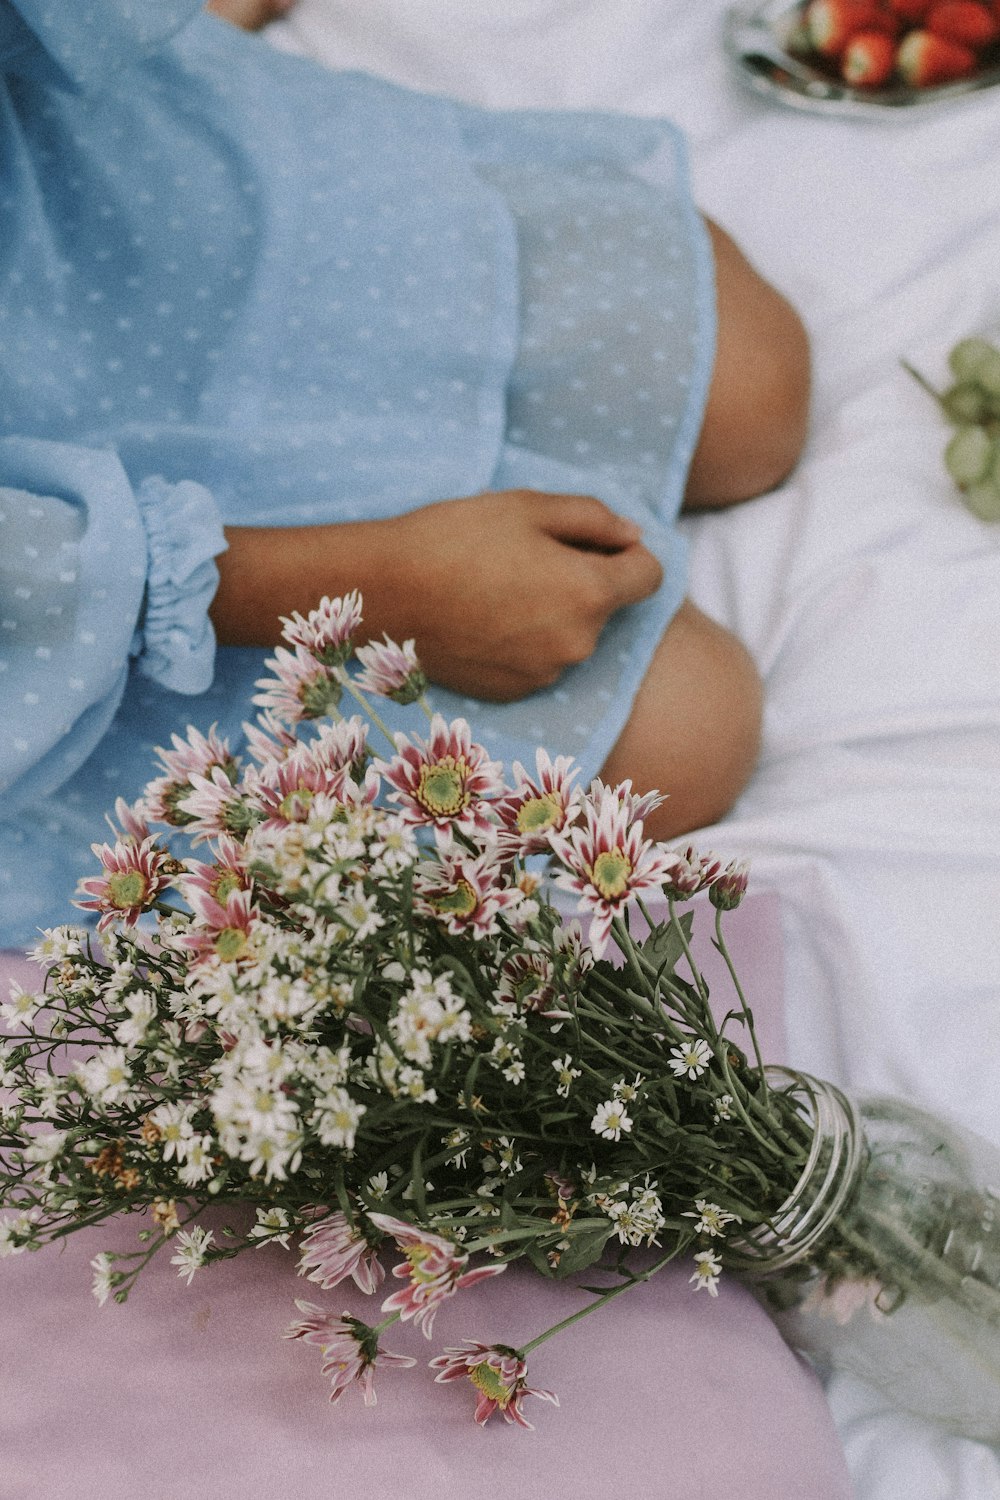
(364, 703)
(747, 1018)
(600, 1301)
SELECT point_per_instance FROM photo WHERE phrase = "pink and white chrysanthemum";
(286, 789)
(390, 671)
(692, 873)
(219, 880)
(302, 688)
(350, 1349)
(729, 888)
(446, 781)
(269, 738)
(344, 743)
(132, 824)
(607, 862)
(134, 876)
(528, 980)
(537, 806)
(332, 1250)
(465, 892)
(223, 929)
(213, 805)
(499, 1376)
(326, 631)
(433, 1270)
(196, 755)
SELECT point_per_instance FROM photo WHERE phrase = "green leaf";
(589, 1237)
(665, 944)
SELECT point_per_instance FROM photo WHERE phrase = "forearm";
(271, 571)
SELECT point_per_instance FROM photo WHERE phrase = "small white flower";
(336, 1119)
(611, 1121)
(46, 1147)
(628, 1092)
(723, 1108)
(692, 1058)
(514, 1072)
(708, 1269)
(105, 1276)
(198, 1162)
(271, 1226)
(22, 1007)
(564, 1067)
(191, 1255)
(712, 1219)
(378, 1186)
(57, 943)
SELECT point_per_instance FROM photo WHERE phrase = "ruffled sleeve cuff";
(175, 645)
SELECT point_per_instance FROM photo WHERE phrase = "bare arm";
(500, 591)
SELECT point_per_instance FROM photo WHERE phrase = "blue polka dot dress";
(236, 288)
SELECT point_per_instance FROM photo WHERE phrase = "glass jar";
(884, 1260)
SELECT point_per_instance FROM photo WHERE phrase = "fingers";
(584, 522)
(628, 570)
(632, 574)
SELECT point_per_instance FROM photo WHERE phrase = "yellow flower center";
(416, 1255)
(610, 873)
(231, 944)
(127, 889)
(225, 883)
(492, 1384)
(460, 901)
(539, 813)
(442, 787)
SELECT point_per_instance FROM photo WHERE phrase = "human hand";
(505, 590)
(251, 15)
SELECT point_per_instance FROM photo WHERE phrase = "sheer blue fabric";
(239, 288)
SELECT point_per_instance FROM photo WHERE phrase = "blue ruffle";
(176, 645)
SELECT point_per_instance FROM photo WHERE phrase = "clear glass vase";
(885, 1258)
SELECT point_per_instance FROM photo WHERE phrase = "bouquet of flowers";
(370, 1015)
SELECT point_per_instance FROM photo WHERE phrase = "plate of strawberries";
(872, 57)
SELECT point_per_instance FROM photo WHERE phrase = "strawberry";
(910, 11)
(963, 21)
(923, 58)
(868, 59)
(832, 23)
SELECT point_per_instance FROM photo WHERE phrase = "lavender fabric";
(666, 1395)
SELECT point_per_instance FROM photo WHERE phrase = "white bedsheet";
(869, 596)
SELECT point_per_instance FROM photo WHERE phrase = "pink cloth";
(667, 1394)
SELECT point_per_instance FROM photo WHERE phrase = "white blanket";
(869, 596)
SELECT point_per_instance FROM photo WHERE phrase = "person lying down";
(275, 333)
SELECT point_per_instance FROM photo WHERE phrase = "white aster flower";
(566, 1071)
(611, 1120)
(723, 1108)
(106, 1077)
(692, 1058)
(190, 1256)
(198, 1162)
(378, 1186)
(271, 1227)
(336, 1118)
(174, 1124)
(22, 1007)
(141, 1007)
(57, 944)
(712, 1219)
(16, 1232)
(708, 1269)
(45, 1148)
(105, 1276)
(628, 1092)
